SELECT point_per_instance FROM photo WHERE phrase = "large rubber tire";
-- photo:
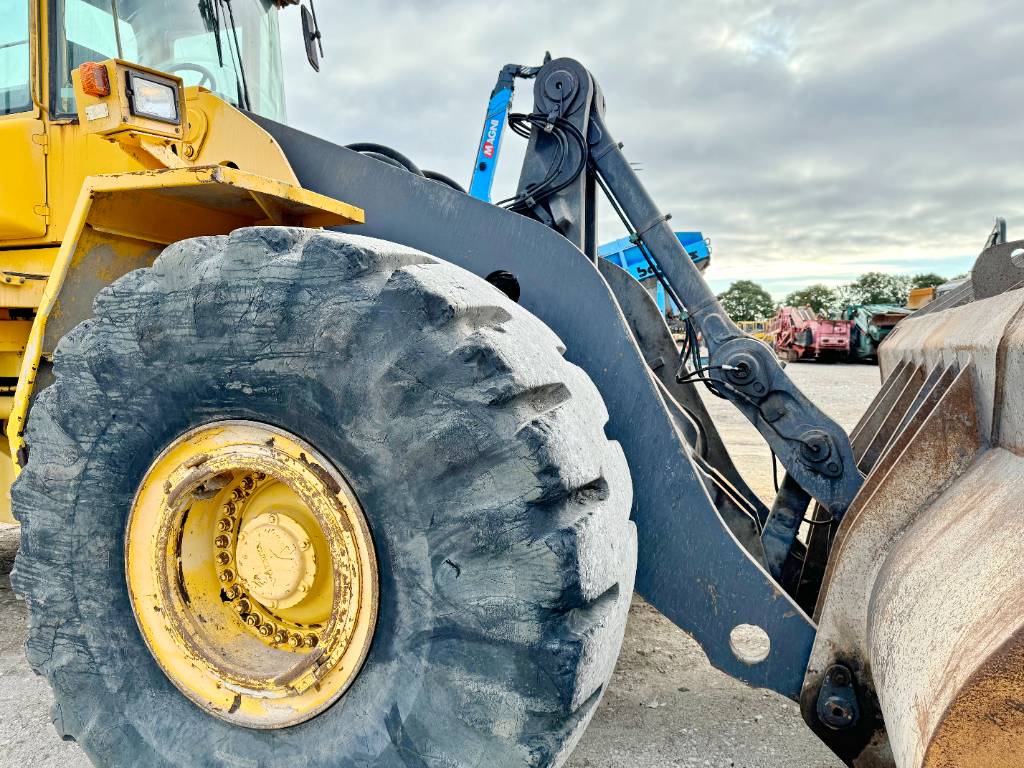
(499, 508)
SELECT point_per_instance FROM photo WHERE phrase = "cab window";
(230, 48)
(15, 94)
(90, 36)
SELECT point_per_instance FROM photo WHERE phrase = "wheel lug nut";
(229, 508)
(223, 558)
(295, 641)
(248, 483)
(312, 641)
(253, 620)
(227, 575)
(222, 541)
(234, 591)
(243, 605)
(266, 630)
(223, 525)
(280, 637)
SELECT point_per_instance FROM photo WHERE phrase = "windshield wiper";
(212, 11)
(247, 103)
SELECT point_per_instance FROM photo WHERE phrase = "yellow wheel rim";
(252, 573)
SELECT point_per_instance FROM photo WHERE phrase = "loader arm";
(691, 566)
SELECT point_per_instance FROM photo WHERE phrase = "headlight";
(152, 97)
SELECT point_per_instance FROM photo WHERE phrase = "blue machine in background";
(626, 254)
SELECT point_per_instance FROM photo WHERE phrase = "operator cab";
(229, 47)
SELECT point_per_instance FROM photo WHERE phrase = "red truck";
(798, 334)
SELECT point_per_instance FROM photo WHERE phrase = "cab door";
(23, 211)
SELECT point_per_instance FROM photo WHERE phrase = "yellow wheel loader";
(319, 461)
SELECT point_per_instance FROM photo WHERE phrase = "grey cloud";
(809, 139)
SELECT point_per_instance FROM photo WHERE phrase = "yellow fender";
(121, 222)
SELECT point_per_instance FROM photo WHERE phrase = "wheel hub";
(276, 560)
(252, 574)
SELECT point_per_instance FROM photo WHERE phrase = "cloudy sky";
(812, 140)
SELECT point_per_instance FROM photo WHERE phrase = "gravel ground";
(666, 706)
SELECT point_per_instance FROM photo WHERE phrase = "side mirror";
(311, 34)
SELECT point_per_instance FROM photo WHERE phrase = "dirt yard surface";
(666, 706)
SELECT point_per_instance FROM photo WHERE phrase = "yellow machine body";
(103, 194)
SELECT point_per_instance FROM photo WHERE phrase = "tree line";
(746, 300)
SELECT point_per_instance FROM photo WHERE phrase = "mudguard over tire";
(498, 508)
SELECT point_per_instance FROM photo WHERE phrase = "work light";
(153, 97)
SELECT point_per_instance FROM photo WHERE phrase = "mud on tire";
(498, 507)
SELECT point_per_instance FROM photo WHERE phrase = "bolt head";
(814, 445)
(836, 712)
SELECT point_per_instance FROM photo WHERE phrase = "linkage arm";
(814, 450)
